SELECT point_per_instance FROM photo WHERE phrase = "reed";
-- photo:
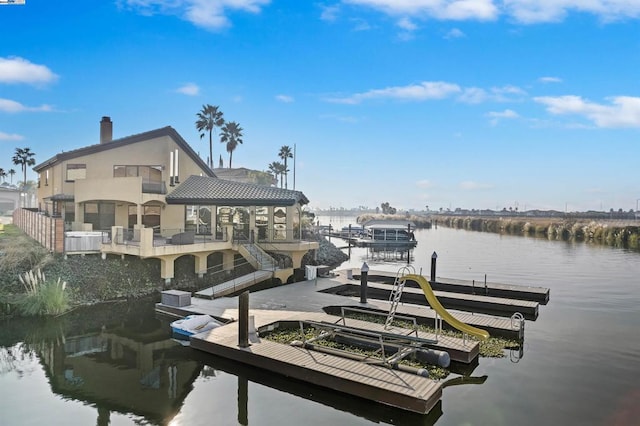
(42, 297)
(613, 234)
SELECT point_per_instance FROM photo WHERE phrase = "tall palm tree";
(209, 118)
(24, 157)
(11, 173)
(285, 153)
(232, 135)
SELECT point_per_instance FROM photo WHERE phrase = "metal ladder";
(396, 293)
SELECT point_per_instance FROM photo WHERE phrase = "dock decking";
(507, 291)
(391, 387)
(476, 303)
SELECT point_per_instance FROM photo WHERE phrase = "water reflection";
(121, 359)
(112, 357)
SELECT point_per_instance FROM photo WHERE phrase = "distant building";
(9, 199)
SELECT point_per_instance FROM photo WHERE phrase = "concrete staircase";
(258, 258)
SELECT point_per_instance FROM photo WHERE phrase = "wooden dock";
(468, 302)
(386, 386)
(316, 301)
(506, 291)
(496, 326)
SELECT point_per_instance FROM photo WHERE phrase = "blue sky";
(439, 103)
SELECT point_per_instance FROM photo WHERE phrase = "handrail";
(402, 341)
(343, 309)
(396, 293)
(260, 256)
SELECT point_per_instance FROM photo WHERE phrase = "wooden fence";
(48, 231)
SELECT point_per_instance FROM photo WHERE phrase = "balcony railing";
(181, 237)
(154, 188)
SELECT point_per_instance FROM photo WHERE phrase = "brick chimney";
(106, 130)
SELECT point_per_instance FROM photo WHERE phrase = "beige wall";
(100, 184)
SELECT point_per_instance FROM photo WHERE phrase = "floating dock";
(316, 302)
(398, 389)
(507, 291)
(467, 302)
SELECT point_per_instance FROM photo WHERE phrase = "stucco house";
(154, 197)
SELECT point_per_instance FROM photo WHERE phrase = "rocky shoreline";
(327, 254)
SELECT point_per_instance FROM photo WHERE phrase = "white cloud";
(523, 11)
(507, 113)
(19, 70)
(426, 90)
(476, 95)
(469, 185)
(496, 116)
(207, 14)
(285, 98)
(10, 137)
(623, 111)
(535, 11)
(7, 105)
(329, 13)
(406, 24)
(438, 9)
(189, 89)
(550, 80)
(454, 33)
(473, 95)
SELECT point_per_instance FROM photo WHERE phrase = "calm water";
(116, 364)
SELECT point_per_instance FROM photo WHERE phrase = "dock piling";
(434, 256)
(243, 320)
(364, 272)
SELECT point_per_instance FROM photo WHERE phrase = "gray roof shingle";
(203, 190)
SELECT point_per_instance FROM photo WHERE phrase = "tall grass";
(612, 234)
(42, 297)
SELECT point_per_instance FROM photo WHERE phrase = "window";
(149, 174)
(76, 171)
(100, 215)
(279, 223)
(262, 222)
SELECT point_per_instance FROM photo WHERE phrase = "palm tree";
(276, 167)
(283, 172)
(11, 173)
(24, 158)
(209, 118)
(285, 152)
(232, 135)
(3, 175)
